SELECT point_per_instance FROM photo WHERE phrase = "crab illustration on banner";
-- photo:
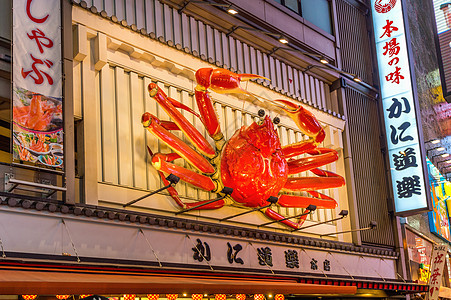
(252, 167)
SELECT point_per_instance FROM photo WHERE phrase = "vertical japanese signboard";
(403, 139)
(37, 83)
(437, 268)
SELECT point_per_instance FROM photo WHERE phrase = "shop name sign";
(406, 165)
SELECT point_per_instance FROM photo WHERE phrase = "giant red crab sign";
(253, 162)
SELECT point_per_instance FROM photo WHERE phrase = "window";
(316, 12)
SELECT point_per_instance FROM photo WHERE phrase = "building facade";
(94, 229)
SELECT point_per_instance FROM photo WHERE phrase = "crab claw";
(222, 80)
(304, 119)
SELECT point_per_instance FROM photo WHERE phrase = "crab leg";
(320, 200)
(220, 81)
(188, 129)
(321, 157)
(161, 163)
(152, 124)
(278, 217)
(160, 160)
(327, 180)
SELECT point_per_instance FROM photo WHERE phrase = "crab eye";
(261, 113)
(276, 120)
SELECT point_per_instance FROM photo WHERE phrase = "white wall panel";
(124, 124)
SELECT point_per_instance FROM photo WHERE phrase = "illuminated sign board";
(406, 165)
(442, 11)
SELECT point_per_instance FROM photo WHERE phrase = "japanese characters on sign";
(436, 271)
(399, 109)
(264, 255)
(37, 83)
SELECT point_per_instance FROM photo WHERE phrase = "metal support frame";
(311, 208)
(226, 191)
(48, 190)
(173, 180)
(343, 214)
(373, 225)
(272, 200)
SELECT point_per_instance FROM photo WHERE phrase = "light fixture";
(283, 40)
(271, 200)
(207, 3)
(319, 57)
(434, 141)
(171, 180)
(184, 295)
(434, 149)
(444, 155)
(343, 214)
(232, 11)
(356, 79)
(310, 209)
(372, 226)
(205, 295)
(269, 295)
(323, 60)
(226, 191)
(279, 37)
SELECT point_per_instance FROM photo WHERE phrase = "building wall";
(112, 68)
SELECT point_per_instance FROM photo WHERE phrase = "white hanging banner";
(37, 83)
(436, 272)
(398, 101)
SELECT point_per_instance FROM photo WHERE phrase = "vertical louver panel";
(369, 172)
(355, 41)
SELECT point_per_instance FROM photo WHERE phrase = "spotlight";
(323, 60)
(283, 40)
(435, 141)
(445, 155)
(232, 11)
(357, 79)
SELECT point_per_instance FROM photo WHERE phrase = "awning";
(49, 282)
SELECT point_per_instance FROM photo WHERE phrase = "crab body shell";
(253, 165)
